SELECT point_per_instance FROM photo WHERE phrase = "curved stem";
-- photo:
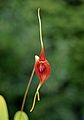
(40, 28)
(27, 89)
(37, 93)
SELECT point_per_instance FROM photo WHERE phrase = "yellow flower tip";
(34, 101)
(38, 8)
(31, 110)
(38, 96)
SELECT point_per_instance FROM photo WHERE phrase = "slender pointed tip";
(39, 99)
(39, 9)
(30, 110)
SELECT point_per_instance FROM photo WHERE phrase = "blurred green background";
(62, 96)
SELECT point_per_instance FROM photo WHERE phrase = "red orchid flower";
(42, 66)
(42, 69)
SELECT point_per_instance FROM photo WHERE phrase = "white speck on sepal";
(36, 58)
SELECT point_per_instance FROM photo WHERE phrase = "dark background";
(62, 96)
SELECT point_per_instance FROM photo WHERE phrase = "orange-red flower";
(42, 67)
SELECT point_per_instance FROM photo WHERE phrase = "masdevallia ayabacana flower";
(41, 68)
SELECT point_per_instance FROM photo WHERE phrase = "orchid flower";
(41, 68)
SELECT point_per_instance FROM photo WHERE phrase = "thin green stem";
(27, 89)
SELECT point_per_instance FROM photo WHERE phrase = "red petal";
(42, 69)
(42, 55)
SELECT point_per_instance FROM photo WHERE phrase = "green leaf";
(3, 109)
(20, 115)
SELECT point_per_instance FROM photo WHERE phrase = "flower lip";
(42, 69)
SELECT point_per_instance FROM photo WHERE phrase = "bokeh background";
(62, 96)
